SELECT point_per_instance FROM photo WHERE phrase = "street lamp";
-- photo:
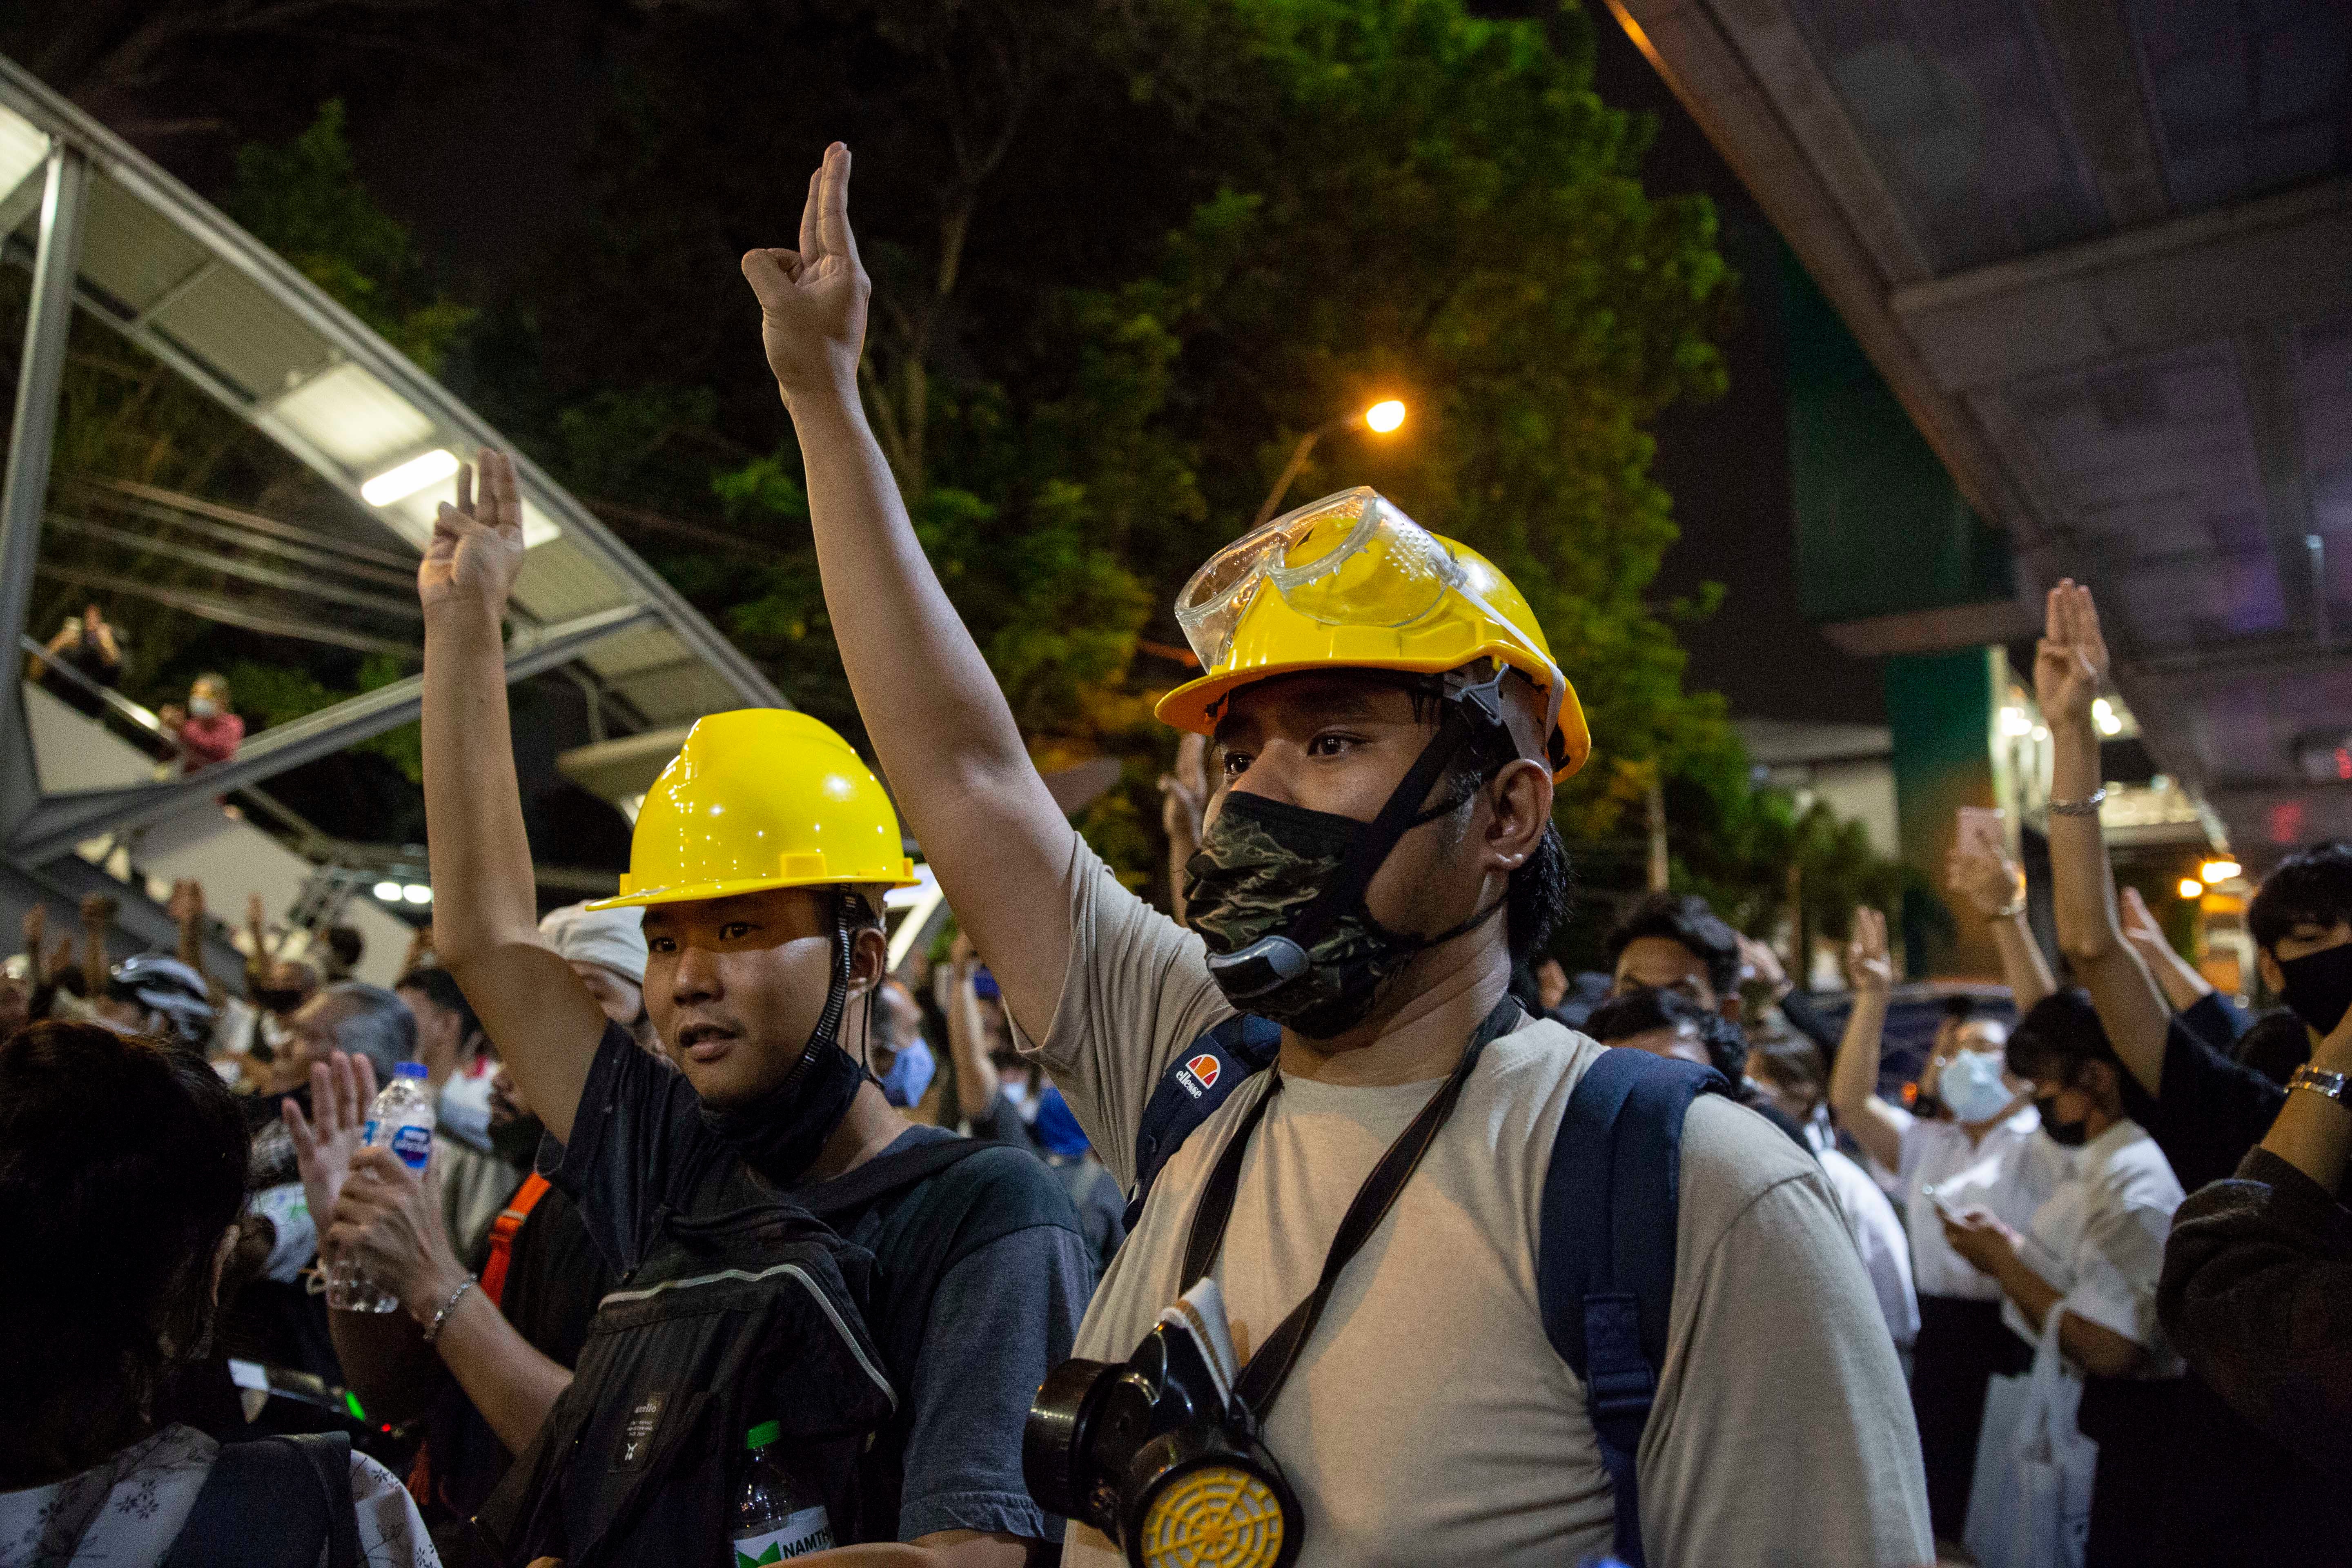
(1382, 418)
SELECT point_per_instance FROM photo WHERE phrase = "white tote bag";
(2030, 1506)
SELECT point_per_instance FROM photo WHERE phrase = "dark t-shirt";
(982, 1271)
(555, 1277)
(2211, 1111)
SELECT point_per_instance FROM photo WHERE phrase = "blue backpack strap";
(1189, 1092)
(1605, 1256)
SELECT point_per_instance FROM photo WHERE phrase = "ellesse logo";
(1205, 1066)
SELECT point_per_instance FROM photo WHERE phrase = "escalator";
(219, 843)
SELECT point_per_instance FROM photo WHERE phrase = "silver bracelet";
(432, 1328)
(2086, 806)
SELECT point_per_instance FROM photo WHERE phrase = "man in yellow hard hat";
(760, 858)
(1388, 725)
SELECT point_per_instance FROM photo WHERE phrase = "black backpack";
(758, 1314)
(1605, 1250)
(273, 1503)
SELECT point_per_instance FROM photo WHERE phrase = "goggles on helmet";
(1349, 560)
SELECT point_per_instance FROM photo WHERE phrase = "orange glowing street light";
(1382, 418)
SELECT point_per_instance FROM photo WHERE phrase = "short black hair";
(1539, 890)
(1687, 918)
(123, 1164)
(2057, 1036)
(2310, 887)
(441, 988)
(346, 943)
(1647, 1010)
(1793, 1062)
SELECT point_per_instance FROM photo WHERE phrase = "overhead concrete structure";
(118, 252)
(2101, 251)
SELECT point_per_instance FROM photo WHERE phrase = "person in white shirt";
(2092, 1253)
(122, 1170)
(1787, 1068)
(1991, 1154)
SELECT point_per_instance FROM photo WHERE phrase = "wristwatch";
(2336, 1086)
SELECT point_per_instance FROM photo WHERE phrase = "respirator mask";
(1164, 1452)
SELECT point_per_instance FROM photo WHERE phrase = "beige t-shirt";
(1428, 1419)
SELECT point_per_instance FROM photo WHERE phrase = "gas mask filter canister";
(1159, 1453)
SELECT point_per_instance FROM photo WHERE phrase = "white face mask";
(202, 707)
(1972, 1085)
(464, 1108)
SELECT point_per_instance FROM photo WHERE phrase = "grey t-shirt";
(997, 1322)
(1428, 1419)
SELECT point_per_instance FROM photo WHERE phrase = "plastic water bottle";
(777, 1516)
(402, 1121)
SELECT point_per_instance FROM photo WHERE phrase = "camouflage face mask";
(1262, 868)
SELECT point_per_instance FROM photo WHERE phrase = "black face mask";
(278, 998)
(1262, 864)
(2319, 985)
(516, 1140)
(2065, 1134)
(781, 1132)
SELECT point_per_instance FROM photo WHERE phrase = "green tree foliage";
(1123, 258)
(306, 202)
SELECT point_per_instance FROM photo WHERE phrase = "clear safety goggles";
(1348, 560)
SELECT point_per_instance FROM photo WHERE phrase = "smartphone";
(1980, 827)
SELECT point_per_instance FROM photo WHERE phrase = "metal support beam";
(306, 583)
(31, 433)
(2269, 369)
(228, 612)
(2097, 65)
(61, 822)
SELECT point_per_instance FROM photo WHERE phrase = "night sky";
(481, 153)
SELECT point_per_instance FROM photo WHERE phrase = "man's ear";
(1521, 798)
(869, 959)
(2273, 977)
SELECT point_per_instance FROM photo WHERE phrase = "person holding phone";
(1990, 1155)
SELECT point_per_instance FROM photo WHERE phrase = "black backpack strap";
(1189, 1092)
(1605, 1256)
(274, 1499)
(883, 1174)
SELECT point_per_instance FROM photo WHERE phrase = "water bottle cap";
(409, 1069)
(765, 1433)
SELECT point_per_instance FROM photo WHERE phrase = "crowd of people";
(1327, 1221)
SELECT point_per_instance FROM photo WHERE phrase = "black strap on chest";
(1263, 1379)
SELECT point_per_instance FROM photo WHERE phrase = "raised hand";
(187, 904)
(2070, 663)
(476, 548)
(342, 1089)
(813, 299)
(1180, 798)
(1868, 968)
(1987, 878)
(1762, 964)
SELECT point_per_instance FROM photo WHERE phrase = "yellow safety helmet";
(759, 798)
(1351, 581)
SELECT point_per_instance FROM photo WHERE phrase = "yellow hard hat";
(1351, 581)
(759, 798)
